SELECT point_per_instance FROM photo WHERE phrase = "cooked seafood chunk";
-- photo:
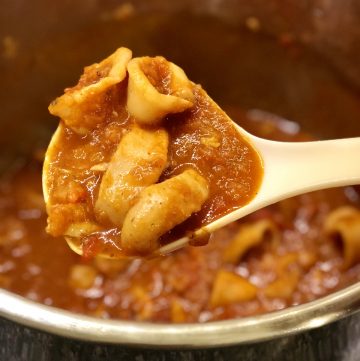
(160, 208)
(231, 288)
(85, 105)
(344, 223)
(157, 88)
(137, 163)
(71, 219)
(249, 236)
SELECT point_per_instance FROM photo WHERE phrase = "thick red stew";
(287, 254)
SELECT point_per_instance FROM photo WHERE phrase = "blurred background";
(297, 59)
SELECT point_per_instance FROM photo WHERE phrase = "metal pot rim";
(220, 333)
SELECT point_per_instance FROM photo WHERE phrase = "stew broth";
(256, 72)
(176, 288)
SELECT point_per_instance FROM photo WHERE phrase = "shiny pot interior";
(51, 41)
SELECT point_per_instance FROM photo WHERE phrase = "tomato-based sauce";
(302, 260)
(286, 255)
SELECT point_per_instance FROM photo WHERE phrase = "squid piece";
(161, 207)
(249, 236)
(177, 311)
(345, 223)
(138, 162)
(94, 99)
(231, 288)
(286, 263)
(7, 236)
(156, 88)
(284, 286)
(82, 276)
(111, 267)
(81, 229)
(71, 219)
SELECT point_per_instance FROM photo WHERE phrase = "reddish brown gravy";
(201, 138)
(176, 288)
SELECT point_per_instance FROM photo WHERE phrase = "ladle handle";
(295, 168)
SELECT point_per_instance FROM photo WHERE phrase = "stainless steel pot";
(45, 44)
